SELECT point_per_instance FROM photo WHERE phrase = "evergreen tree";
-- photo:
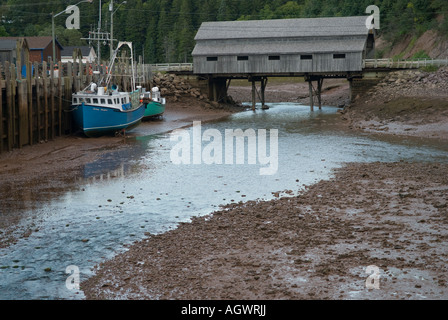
(208, 11)
(136, 23)
(152, 18)
(186, 32)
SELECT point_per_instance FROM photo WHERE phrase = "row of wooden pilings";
(35, 99)
(218, 87)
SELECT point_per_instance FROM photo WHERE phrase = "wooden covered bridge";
(313, 48)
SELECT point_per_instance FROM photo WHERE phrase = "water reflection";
(90, 176)
(127, 193)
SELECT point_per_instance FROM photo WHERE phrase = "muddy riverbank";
(405, 103)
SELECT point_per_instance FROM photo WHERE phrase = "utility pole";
(99, 31)
(99, 37)
(111, 9)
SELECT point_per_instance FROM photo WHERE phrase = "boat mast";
(111, 63)
(99, 44)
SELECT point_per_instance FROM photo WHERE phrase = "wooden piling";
(319, 92)
(253, 94)
(9, 106)
(263, 89)
(1, 110)
(14, 134)
(215, 92)
(45, 90)
(22, 114)
(52, 107)
(59, 79)
(38, 85)
(68, 87)
(310, 85)
(29, 89)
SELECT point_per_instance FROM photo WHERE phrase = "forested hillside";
(163, 30)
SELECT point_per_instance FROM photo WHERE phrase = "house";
(15, 51)
(41, 48)
(8, 50)
(88, 54)
(282, 46)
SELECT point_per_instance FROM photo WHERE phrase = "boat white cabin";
(101, 97)
(153, 95)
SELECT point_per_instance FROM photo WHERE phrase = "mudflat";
(392, 217)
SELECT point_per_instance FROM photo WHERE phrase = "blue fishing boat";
(99, 111)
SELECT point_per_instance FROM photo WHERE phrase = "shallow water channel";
(115, 200)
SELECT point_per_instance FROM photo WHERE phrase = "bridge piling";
(253, 94)
(310, 86)
(264, 82)
(319, 92)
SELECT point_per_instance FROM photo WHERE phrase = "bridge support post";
(217, 89)
(253, 94)
(350, 80)
(310, 86)
(261, 95)
(320, 81)
(263, 88)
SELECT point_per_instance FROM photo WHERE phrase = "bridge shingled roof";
(283, 28)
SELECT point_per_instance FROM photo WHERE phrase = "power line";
(46, 3)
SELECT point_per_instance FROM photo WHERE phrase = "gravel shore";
(405, 103)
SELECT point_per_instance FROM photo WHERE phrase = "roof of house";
(7, 44)
(68, 51)
(36, 43)
(281, 28)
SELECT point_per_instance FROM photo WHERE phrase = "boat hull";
(153, 109)
(97, 121)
